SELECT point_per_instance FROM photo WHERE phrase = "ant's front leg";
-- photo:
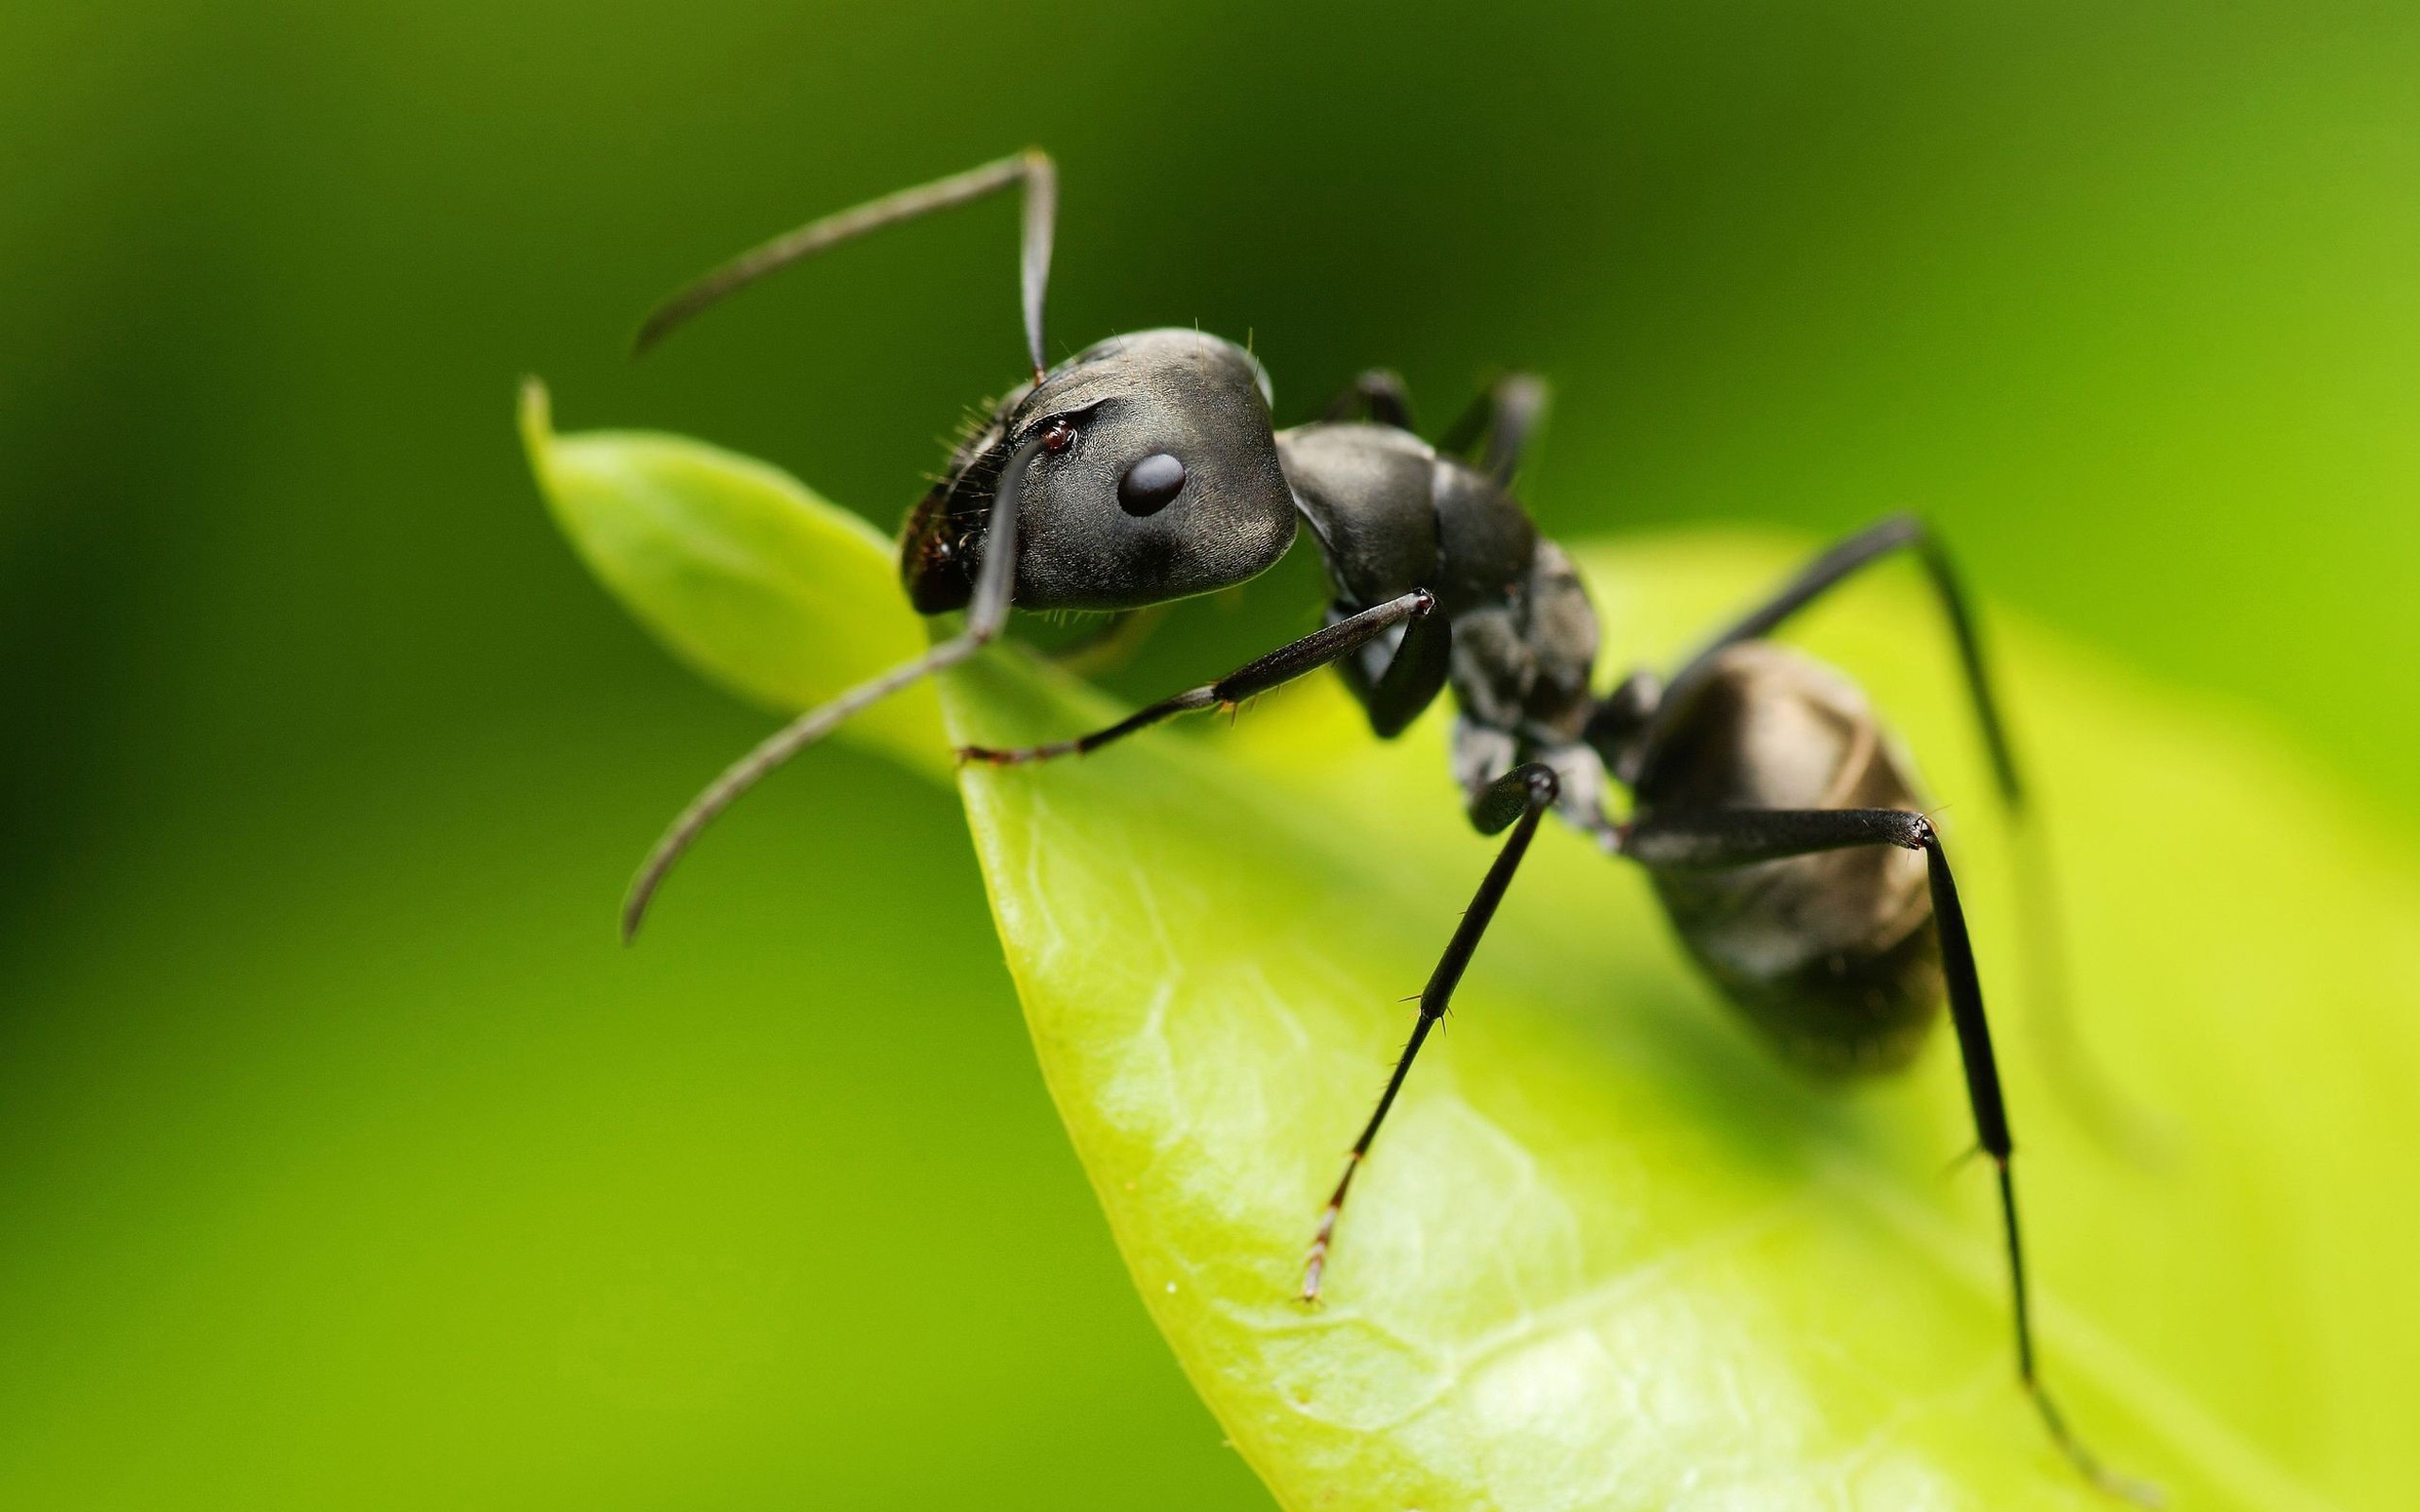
(1426, 664)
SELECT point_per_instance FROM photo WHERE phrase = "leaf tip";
(537, 417)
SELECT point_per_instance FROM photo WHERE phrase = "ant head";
(1157, 479)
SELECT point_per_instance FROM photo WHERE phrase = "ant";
(1781, 836)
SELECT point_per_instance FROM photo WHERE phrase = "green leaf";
(1608, 1253)
(744, 572)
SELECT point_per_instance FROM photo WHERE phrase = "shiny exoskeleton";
(1782, 835)
(1828, 953)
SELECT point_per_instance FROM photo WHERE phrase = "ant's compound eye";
(1058, 436)
(1151, 484)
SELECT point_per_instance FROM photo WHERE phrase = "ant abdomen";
(1827, 954)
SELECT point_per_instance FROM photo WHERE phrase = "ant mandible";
(1782, 836)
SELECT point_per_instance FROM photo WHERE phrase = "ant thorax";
(1390, 514)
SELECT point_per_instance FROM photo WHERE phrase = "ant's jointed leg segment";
(1282, 666)
(1730, 838)
(1519, 799)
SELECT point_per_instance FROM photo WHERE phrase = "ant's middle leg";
(1733, 837)
(1506, 416)
(1379, 395)
(1419, 664)
(1518, 798)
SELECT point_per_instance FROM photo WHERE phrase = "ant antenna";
(1032, 168)
(987, 615)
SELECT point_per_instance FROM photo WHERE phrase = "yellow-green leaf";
(747, 573)
(1609, 1254)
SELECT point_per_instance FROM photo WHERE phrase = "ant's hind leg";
(2102, 1108)
(1845, 560)
(1518, 798)
(1732, 838)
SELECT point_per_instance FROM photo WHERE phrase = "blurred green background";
(344, 1161)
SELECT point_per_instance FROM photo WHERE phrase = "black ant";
(1782, 838)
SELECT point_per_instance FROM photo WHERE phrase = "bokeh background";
(344, 1161)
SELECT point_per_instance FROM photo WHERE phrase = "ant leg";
(2088, 1094)
(1282, 666)
(1032, 168)
(1826, 572)
(1730, 837)
(1414, 677)
(1517, 799)
(1505, 415)
(987, 615)
(1379, 395)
